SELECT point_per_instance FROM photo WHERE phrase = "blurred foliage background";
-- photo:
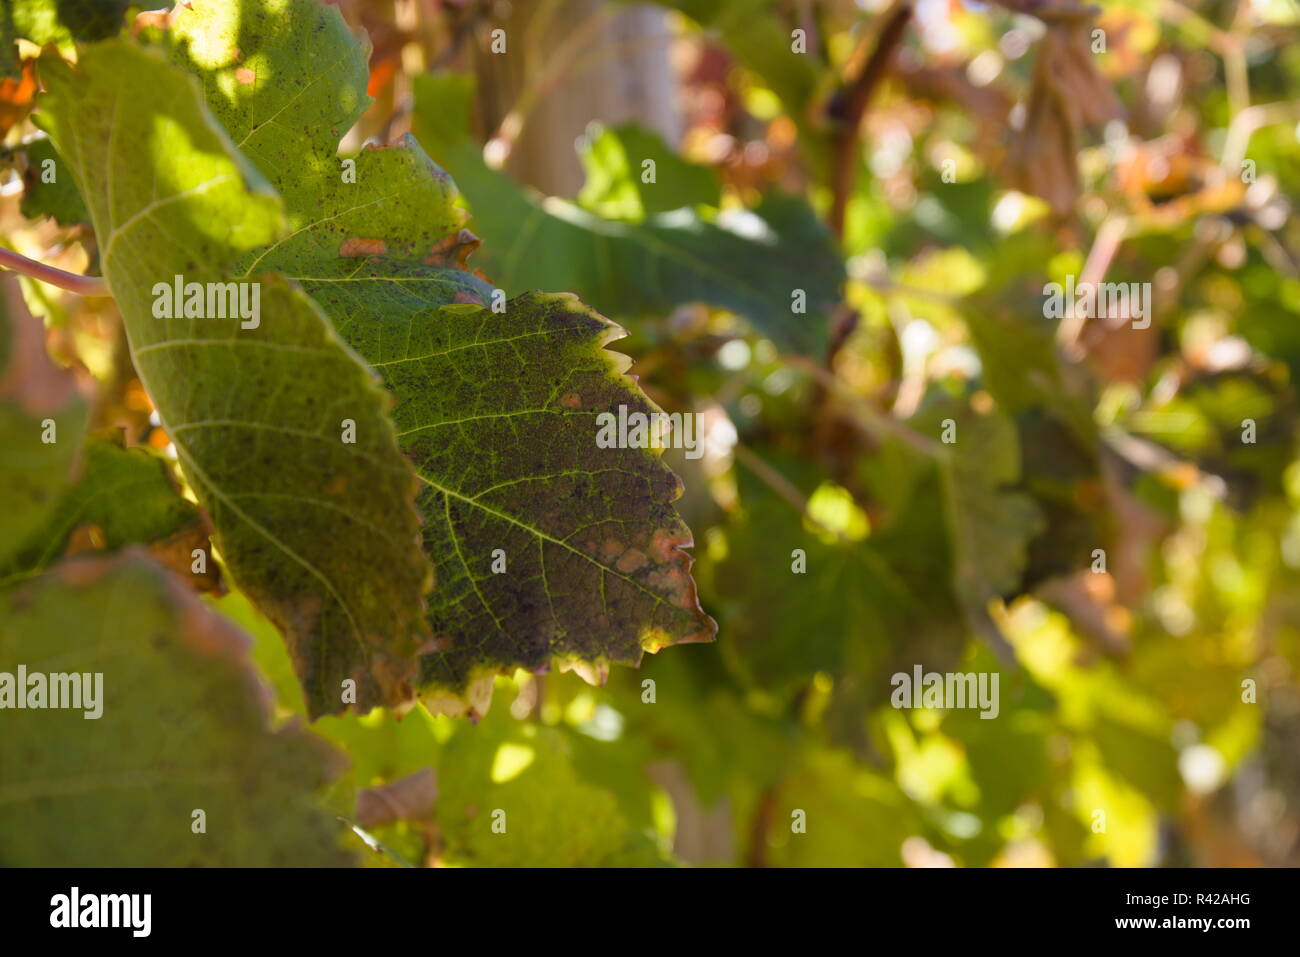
(1107, 532)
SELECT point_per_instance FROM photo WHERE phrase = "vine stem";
(857, 95)
(81, 285)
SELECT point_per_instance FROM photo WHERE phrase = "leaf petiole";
(81, 285)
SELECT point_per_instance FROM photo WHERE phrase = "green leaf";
(615, 161)
(130, 498)
(861, 608)
(287, 81)
(1051, 404)
(748, 261)
(1020, 363)
(58, 199)
(319, 532)
(700, 718)
(38, 401)
(952, 534)
(554, 815)
(1008, 757)
(853, 817)
(61, 21)
(967, 494)
(184, 726)
(990, 524)
(520, 777)
(497, 409)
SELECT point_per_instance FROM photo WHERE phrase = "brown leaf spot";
(664, 545)
(453, 251)
(162, 19)
(572, 401)
(631, 560)
(177, 553)
(356, 248)
(671, 579)
(85, 538)
(392, 674)
(245, 75)
(436, 643)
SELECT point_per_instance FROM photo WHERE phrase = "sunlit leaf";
(319, 531)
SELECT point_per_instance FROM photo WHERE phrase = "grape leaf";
(321, 533)
(749, 261)
(1051, 404)
(505, 773)
(504, 438)
(38, 400)
(497, 409)
(701, 719)
(860, 608)
(54, 21)
(184, 726)
(855, 817)
(61, 21)
(58, 199)
(127, 496)
(951, 533)
(556, 814)
(990, 523)
(615, 162)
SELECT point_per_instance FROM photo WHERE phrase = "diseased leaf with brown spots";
(496, 409)
(280, 429)
(499, 414)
